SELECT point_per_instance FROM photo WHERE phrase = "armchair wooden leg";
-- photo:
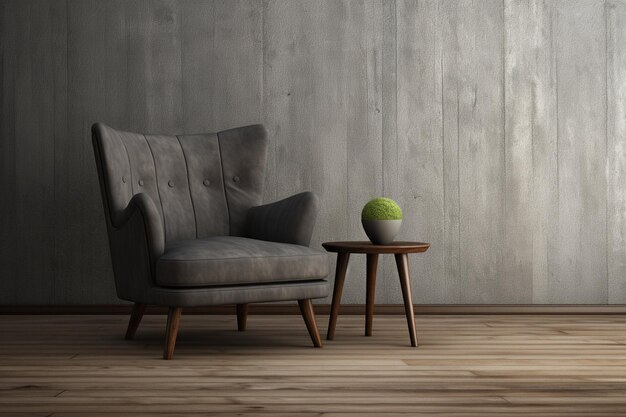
(173, 322)
(306, 308)
(242, 316)
(135, 318)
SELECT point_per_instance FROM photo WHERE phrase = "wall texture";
(499, 126)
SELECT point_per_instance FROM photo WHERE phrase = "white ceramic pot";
(381, 232)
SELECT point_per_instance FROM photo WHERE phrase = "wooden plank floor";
(465, 366)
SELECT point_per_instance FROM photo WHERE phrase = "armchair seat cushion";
(230, 260)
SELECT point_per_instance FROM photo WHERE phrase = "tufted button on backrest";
(175, 170)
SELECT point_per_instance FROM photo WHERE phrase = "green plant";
(381, 208)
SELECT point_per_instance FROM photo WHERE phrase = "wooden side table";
(400, 250)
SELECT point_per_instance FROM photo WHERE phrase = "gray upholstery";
(186, 226)
(238, 294)
(235, 260)
(289, 221)
(203, 185)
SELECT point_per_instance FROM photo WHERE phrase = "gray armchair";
(186, 227)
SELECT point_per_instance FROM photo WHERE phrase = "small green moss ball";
(381, 208)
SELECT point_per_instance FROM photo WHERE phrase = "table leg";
(402, 261)
(372, 265)
(340, 276)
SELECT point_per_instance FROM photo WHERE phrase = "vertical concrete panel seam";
(503, 51)
(127, 32)
(55, 275)
(606, 144)
(554, 45)
(382, 104)
(531, 94)
(181, 83)
(262, 109)
(183, 119)
(458, 181)
(55, 272)
(213, 115)
(395, 43)
(439, 34)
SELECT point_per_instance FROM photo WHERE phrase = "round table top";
(355, 246)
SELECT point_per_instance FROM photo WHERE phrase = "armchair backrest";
(202, 185)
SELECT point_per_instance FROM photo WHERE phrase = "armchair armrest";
(143, 205)
(288, 221)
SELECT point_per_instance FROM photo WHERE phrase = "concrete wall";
(499, 126)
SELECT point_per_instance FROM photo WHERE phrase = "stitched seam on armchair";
(156, 179)
(193, 204)
(130, 167)
(219, 147)
(152, 259)
(105, 181)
